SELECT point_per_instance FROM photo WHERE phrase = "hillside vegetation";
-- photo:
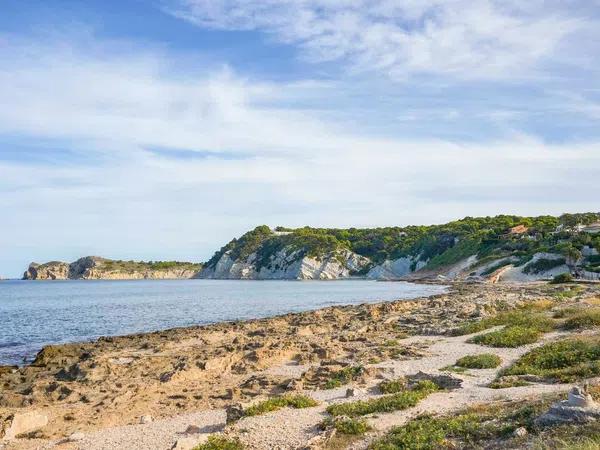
(489, 238)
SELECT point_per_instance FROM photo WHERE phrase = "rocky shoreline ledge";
(147, 390)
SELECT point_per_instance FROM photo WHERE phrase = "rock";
(579, 408)
(294, 385)
(146, 419)
(580, 398)
(234, 412)
(77, 436)
(193, 429)
(354, 392)
(520, 432)
(189, 442)
(20, 423)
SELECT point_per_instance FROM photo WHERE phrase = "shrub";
(387, 403)
(344, 376)
(484, 361)
(562, 278)
(347, 425)
(513, 336)
(275, 403)
(220, 443)
(543, 265)
(521, 317)
(564, 361)
(483, 426)
(393, 386)
(584, 319)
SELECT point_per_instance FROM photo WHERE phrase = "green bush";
(587, 318)
(514, 336)
(484, 361)
(387, 403)
(564, 361)
(562, 278)
(521, 317)
(393, 386)
(543, 265)
(275, 403)
(220, 443)
(347, 425)
(344, 376)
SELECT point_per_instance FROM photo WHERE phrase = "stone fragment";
(146, 419)
(77, 436)
(520, 432)
(234, 412)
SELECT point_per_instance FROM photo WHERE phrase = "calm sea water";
(37, 313)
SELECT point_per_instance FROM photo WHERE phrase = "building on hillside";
(519, 229)
(592, 228)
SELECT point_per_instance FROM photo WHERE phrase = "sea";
(34, 314)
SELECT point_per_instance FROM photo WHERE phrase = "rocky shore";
(146, 390)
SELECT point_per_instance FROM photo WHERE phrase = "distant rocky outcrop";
(97, 268)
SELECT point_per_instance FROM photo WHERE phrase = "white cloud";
(462, 38)
(120, 200)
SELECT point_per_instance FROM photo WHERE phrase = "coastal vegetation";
(490, 426)
(344, 376)
(562, 361)
(220, 443)
(483, 361)
(487, 238)
(275, 403)
(387, 403)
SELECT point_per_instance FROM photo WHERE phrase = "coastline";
(113, 382)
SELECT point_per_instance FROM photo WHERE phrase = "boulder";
(579, 408)
(20, 423)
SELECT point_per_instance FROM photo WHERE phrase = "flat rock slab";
(21, 423)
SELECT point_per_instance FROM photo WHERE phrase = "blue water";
(38, 313)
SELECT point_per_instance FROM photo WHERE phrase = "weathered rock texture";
(97, 268)
(288, 264)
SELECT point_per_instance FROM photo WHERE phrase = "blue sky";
(161, 129)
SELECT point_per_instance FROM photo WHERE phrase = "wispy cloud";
(190, 160)
(490, 39)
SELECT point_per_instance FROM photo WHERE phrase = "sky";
(160, 129)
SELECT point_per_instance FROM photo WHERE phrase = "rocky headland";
(97, 268)
(340, 377)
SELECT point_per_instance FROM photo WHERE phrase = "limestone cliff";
(97, 268)
(287, 264)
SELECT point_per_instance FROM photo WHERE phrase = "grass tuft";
(275, 403)
(387, 403)
(513, 336)
(563, 361)
(484, 361)
(220, 443)
(522, 317)
(583, 318)
(347, 425)
(344, 376)
(393, 386)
